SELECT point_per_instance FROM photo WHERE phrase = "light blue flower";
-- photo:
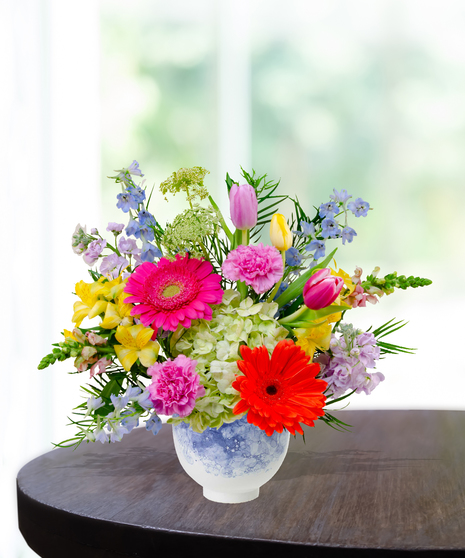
(130, 420)
(132, 228)
(145, 233)
(146, 218)
(93, 404)
(134, 169)
(101, 435)
(126, 202)
(329, 228)
(149, 252)
(319, 246)
(341, 196)
(153, 424)
(308, 229)
(359, 207)
(329, 209)
(293, 257)
(132, 393)
(137, 192)
(281, 289)
(144, 400)
(119, 402)
(348, 234)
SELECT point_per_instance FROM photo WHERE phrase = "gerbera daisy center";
(170, 291)
(271, 390)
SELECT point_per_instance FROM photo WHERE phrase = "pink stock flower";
(101, 364)
(322, 289)
(359, 298)
(243, 206)
(175, 386)
(173, 292)
(258, 266)
(95, 339)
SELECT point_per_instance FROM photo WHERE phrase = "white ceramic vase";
(231, 462)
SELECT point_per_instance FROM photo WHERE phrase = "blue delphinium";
(329, 228)
(359, 207)
(132, 228)
(318, 246)
(137, 192)
(126, 202)
(130, 420)
(293, 257)
(153, 424)
(348, 234)
(341, 196)
(308, 229)
(146, 218)
(328, 209)
(149, 252)
(145, 232)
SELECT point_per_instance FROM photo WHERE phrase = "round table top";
(392, 485)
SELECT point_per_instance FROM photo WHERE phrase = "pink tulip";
(243, 206)
(322, 289)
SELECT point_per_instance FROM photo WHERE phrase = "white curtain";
(49, 145)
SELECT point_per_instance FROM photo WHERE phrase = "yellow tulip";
(136, 344)
(280, 233)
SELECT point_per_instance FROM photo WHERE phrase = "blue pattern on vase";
(234, 449)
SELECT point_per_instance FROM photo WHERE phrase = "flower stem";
(292, 317)
(229, 234)
(278, 284)
(245, 240)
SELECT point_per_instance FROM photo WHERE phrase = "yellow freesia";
(312, 338)
(280, 233)
(136, 344)
(90, 305)
(118, 314)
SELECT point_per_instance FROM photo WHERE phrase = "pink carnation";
(175, 386)
(258, 266)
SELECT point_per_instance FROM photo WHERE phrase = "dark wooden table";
(394, 486)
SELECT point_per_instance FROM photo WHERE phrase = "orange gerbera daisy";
(280, 392)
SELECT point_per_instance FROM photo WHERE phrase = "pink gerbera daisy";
(173, 292)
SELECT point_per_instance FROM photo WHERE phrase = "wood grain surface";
(393, 486)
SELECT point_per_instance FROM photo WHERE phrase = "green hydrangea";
(189, 181)
(215, 346)
(188, 228)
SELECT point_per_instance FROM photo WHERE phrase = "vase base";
(230, 497)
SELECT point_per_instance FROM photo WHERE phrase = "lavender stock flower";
(115, 227)
(113, 265)
(95, 248)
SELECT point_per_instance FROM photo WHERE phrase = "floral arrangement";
(203, 323)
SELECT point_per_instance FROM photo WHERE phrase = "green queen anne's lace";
(215, 346)
(186, 180)
(189, 228)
